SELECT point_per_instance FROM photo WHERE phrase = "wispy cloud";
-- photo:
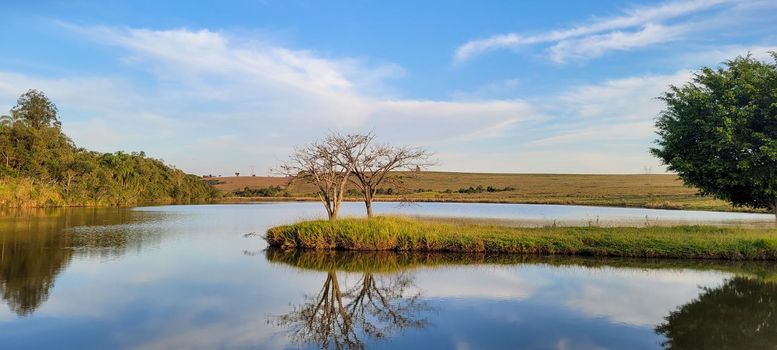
(637, 27)
(719, 54)
(213, 101)
(256, 94)
(597, 45)
(619, 110)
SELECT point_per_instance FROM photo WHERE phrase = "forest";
(40, 166)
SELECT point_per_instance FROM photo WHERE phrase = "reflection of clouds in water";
(567, 344)
(191, 287)
(251, 332)
(487, 282)
(639, 297)
(636, 297)
(186, 314)
(6, 314)
(235, 317)
(461, 345)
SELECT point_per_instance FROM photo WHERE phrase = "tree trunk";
(334, 211)
(368, 193)
(774, 210)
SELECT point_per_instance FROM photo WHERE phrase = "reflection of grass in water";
(403, 234)
(393, 262)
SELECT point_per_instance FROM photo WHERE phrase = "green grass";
(404, 234)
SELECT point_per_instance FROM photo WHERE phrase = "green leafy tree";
(40, 166)
(36, 110)
(6, 120)
(719, 132)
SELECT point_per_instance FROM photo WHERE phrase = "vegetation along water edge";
(392, 233)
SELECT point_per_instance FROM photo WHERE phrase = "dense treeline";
(40, 166)
(272, 191)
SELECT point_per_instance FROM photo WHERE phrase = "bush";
(272, 191)
(480, 189)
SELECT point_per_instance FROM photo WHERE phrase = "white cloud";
(631, 98)
(597, 45)
(251, 93)
(217, 103)
(606, 127)
(567, 159)
(602, 132)
(291, 84)
(600, 35)
(594, 117)
(437, 120)
(503, 88)
(721, 53)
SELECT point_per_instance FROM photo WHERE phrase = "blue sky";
(489, 86)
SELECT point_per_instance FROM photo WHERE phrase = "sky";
(487, 86)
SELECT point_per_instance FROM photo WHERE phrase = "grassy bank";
(664, 191)
(26, 193)
(403, 234)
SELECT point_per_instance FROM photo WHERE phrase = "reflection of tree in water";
(36, 245)
(741, 314)
(29, 263)
(343, 317)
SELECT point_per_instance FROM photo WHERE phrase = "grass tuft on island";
(405, 234)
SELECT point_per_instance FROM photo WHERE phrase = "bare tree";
(322, 164)
(373, 163)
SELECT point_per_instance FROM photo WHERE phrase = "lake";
(200, 276)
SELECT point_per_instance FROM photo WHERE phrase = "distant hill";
(639, 190)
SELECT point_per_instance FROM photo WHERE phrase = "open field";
(643, 190)
(404, 234)
(233, 183)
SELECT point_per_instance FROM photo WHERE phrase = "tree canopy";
(719, 132)
(35, 109)
(339, 159)
(41, 166)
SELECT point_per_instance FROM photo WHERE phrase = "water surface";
(548, 214)
(196, 277)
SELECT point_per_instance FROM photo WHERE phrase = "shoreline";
(614, 204)
(413, 235)
(397, 261)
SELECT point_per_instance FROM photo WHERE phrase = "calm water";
(195, 277)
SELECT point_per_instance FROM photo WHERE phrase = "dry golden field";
(643, 190)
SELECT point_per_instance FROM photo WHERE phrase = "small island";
(405, 234)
